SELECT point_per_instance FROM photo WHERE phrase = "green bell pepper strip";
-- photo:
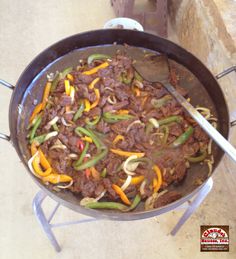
(126, 77)
(174, 118)
(94, 122)
(55, 82)
(39, 139)
(79, 112)
(66, 71)
(93, 161)
(149, 128)
(137, 76)
(199, 158)
(165, 128)
(113, 118)
(35, 127)
(104, 173)
(82, 155)
(157, 103)
(96, 56)
(55, 127)
(134, 204)
(90, 134)
(106, 205)
(183, 138)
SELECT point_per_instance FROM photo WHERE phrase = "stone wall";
(202, 28)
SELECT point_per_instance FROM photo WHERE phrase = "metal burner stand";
(47, 226)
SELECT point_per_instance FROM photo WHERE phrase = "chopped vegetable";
(66, 71)
(87, 139)
(113, 118)
(135, 203)
(35, 127)
(97, 93)
(37, 168)
(183, 138)
(82, 155)
(199, 158)
(37, 110)
(158, 184)
(93, 83)
(117, 139)
(70, 77)
(157, 103)
(96, 56)
(46, 94)
(57, 178)
(87, 105)
(95, 69)
(79, 112)
(104, 173)
(137, 179)
(67, 87)
(106, 205)
(122, 195)
(126, 183)
(126, 153)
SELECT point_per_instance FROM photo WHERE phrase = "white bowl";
(127, 23)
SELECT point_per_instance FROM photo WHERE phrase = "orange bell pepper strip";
(122, 112)
(126, 153)
(57, 178)
(157, 182)
(137, 179)
(37, 110)
(37, 167)
(97, 93)
(95, 173)
(92, 84)
(46, 94)
(95, 69)
(43, 160)
(117, 139)
(33, 148)
(122, 195)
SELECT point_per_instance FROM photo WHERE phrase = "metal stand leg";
(39, 213)
(193, 205)
(46, 223)
(47, 226)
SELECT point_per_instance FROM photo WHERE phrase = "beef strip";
(167, 198)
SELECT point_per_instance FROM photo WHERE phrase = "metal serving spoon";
(162, 76)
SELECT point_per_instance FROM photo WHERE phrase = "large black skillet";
(202, 85)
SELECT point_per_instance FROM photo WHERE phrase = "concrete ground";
(26, 28)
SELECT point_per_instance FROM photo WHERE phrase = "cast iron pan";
(201, 84)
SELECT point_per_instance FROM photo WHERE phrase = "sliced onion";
(138, 84)
(72, 94)
(209, 147)
(65, 186)
(30, 164)
(154, 122)
(126, 183)
(111, 99)
(53, 121)
(50, 135)
(58, 146)
(72, 155)
(101, 195)
(133, 123)
(70, 112)
(65, 123)
(205, 112)
(88, 200)
(129, 167)
(142, 187)
(149, 203)
(209, 164)
(87, 155)
(108, 88)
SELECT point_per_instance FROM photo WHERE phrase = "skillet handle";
(222, 74)
(10, 86)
